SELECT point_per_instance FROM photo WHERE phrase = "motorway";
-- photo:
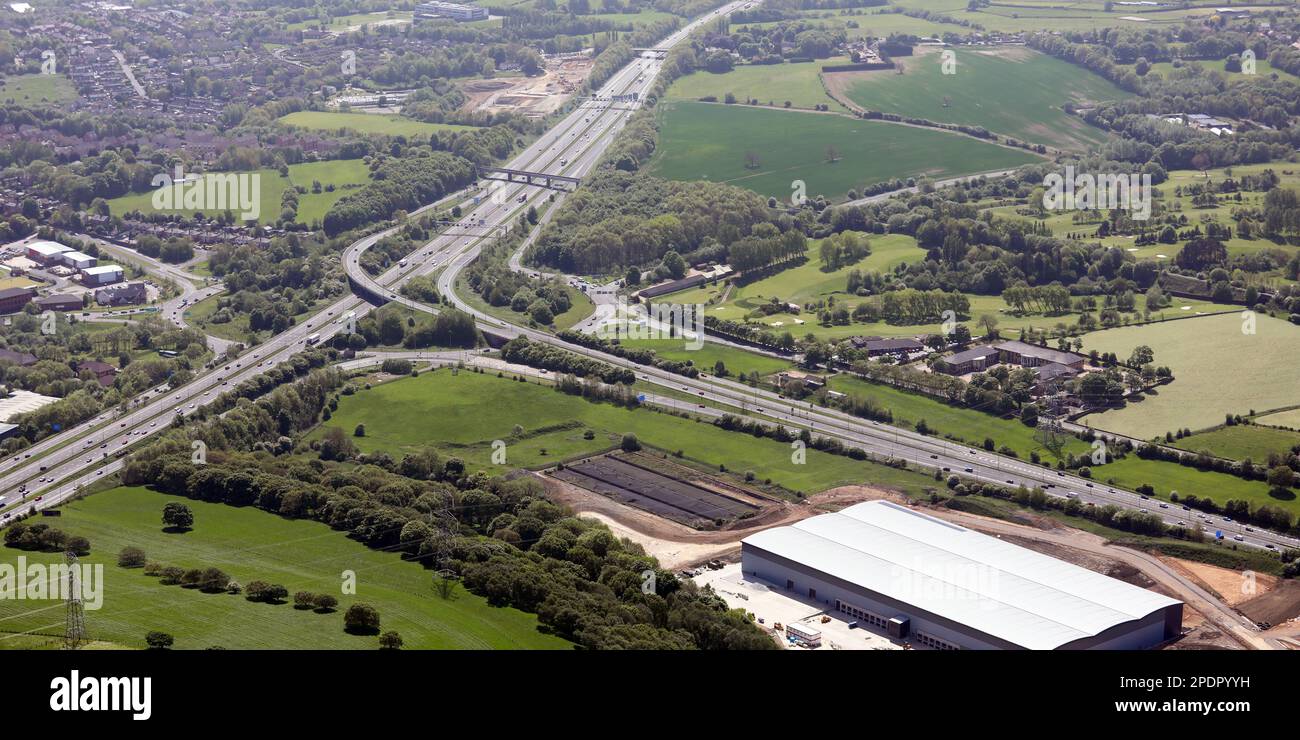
(54, 470)
(572, 147)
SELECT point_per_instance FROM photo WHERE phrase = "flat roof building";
(102, 275)
(45, 252)
(454, 11)
(939, 585)
(78, 260)
(21, 402)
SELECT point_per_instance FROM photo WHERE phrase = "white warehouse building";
(46, 252)
(917, 578)
(78, 260)
(454, 11)
(102, 275)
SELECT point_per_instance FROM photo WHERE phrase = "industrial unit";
(454, 11)
(45, 252)
(935, 584)
(78, 260)
(102, 275)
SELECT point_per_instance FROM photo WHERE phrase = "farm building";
(877, 346)
(1031, 355)
(973, 360)
(104, 275)
(46, 253)
(918, 578)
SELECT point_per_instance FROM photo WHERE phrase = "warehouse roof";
(1001, 589)
(102, 270)
(48, 249)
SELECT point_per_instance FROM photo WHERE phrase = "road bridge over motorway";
(541, 179)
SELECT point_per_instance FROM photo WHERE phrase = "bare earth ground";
(1228, 584)
(532, 96)
(677, 545)
(1277, 606)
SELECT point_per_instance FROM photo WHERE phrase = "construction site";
(674, 492)
(534, 97)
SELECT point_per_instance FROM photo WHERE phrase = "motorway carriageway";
(880, 441)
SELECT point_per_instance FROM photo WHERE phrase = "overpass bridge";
(541, 179)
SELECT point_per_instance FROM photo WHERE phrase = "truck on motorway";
(314, 338)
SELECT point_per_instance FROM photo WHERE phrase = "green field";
(35, 89)
(1167, 477)
(367, 123)
(1012, 91)
(792, 146)
(775, 84)
(1062, 223)
(736, 360)
(808, 283)
(1037, 15)
(1218, 370)
(344, 174)
(580, 307)
(356, 20)
(966, 425)
(1289, 419)
(446, 411)
(249, 544)
(1262, 69)
(804, 283)
(1241, 441)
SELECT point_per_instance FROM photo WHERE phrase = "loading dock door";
(898, 627)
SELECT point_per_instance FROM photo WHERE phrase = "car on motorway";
(1238, 538)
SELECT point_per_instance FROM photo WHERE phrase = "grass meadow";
(446, 411)
(793, 146)
(249, 544)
